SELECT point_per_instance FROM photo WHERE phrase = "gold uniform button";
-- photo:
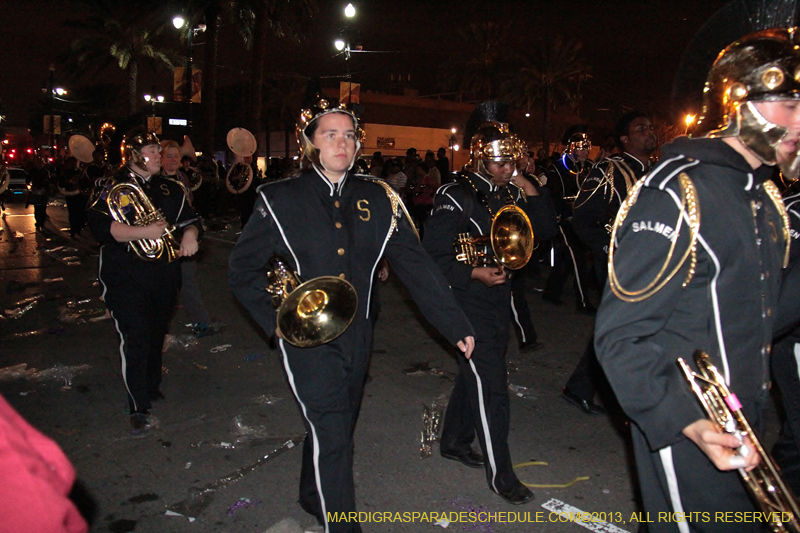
(341, 251)
(336, 203)
(341, 276)
(338, 225)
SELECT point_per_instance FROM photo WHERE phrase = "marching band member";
(479, 403)
(331, 222)
(696, 263)
(596, 205)
(140, 293)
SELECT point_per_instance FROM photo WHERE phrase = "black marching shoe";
(139, 422)
(587, 406)
(517, 495)
(471, 459)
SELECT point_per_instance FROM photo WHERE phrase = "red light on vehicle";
(50, 159)
(11, 155)
(29, 150)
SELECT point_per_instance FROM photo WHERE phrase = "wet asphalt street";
(224, 453)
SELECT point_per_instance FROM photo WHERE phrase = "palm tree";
(121, 35)
(550, 75)
(485, 61)
(258, 19)
(282, 100)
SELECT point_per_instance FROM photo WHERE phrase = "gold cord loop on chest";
(690, 211)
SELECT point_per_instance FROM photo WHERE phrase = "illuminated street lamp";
(453, 144)
(689, 121)
(179, 22)
(60, 91)
(339, 44)
(350, 11)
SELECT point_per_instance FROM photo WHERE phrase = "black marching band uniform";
(595, 208)
(140, 294)
(479, 403)
(343, 230)
(564, 179)
(698, 265)
(75, 184)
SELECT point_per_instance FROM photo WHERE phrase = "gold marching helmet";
(312, 313)
(511, 236)
(761, 67)
(134, 141)
(577, 141)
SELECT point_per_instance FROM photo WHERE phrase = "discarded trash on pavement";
(522, 392)
(431, 421)
(243, 503)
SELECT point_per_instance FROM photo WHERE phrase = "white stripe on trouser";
(487, 437)
(314, 440)
(574, 265)
(672, 483)
(516, 318)
(797, 357)
(123, 361)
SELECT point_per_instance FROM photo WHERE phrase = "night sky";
(632, 46)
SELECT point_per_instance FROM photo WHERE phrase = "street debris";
(522, 392)
(173, 513)
(243, 503)
(55, 330)
(266, 400)
(482, 525)
(220, 348)
(431, 422)
(65, 254)
(184, 342)
(55, 373)
(196, 504)
(83, 311)
(23, 306)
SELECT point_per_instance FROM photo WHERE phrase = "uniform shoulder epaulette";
(398, 207)
(689, 211)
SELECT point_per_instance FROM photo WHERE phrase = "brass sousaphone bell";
(511, 239)
(81, 148)
(312, 313)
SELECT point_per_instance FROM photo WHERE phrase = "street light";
(453, 144)
(339, 44)
(350, 11)
(689, 121)
(180, 22)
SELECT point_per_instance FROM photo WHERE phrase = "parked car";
(17, 184)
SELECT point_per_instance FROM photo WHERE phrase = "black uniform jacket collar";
(326, 186)
(718, 152)
(482, 183)
(638, 166)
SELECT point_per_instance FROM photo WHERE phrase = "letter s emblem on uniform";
(164, 189)
(361, 205)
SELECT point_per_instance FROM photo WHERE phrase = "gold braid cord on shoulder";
(690, 208)
(775, 196)
(397, 206)
(608, 179)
